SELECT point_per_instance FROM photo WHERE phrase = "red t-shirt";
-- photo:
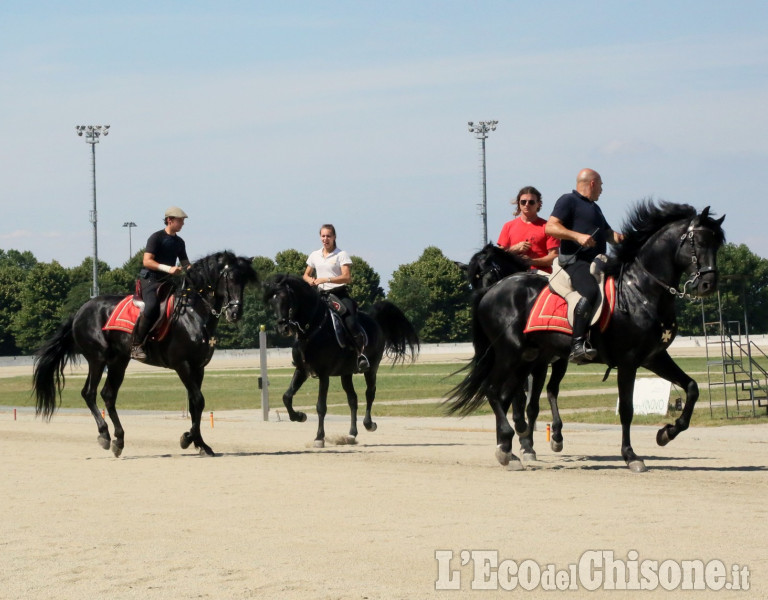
(517, 230)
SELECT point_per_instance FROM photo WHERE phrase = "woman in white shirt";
(330, 270)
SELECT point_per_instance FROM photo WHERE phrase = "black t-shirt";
(166, 248)
(579, 213)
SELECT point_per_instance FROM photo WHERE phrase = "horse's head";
(491, 264)
(284, 293)
(224, 276)
(697, 253)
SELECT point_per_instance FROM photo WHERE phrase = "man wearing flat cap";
(163, 249)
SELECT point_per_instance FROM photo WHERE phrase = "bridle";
(231, 299)
(698, 271)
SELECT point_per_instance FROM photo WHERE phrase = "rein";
(210, 292)
(304, 331)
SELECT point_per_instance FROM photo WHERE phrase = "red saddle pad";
(550, 311)
(123, 318)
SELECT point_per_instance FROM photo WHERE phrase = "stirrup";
(362, 363)
(581, 354)
(138, 353)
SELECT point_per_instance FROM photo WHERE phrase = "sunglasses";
(527, 202)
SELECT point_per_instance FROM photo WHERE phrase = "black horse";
(300, 310)
(662, 242)
(211, 287)
(487, 267)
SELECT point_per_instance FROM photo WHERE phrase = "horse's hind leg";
(532, 410)
(349, 388)
(559, 367)
(115, 376)
(322, 408)
(95, 370)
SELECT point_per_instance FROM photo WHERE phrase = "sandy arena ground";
(272, 517)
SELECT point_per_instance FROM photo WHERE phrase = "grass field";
(412, 390)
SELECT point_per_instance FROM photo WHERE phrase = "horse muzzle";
(707, 283)
(284, 327)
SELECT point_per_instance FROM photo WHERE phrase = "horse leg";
(95, 370)
(298, 379)
(559, 367)
(192, 378)
(370, 394)
(504, 431)
(663, 366)
(115, 376)
(532, 410)
(346, 383)
(322, 408)
(626, 379)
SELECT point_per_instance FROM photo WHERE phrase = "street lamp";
(92, 135)
(130, 225)
(481, 130)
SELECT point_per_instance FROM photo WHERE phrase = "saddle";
(126, 313)
(337, 311)
(554, 306)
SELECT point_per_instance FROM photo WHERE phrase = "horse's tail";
(470, 394)
(48, 374)
(400, 337)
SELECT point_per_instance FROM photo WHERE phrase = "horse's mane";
(645, 219)
(207, 270)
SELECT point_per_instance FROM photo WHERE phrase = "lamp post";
(481, 130)
(92, 135)
(130, 225)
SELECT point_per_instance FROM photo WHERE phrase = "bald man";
(579, 223)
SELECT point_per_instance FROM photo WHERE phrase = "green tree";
(11, 282)
(290, 261)
(434, 295)
(42, 297)
(365, 288)
(743, 282)
(13, 258)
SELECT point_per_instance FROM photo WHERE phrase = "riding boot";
(138, 339)
(362, 360)
(581, 352)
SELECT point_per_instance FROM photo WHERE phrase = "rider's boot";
(362, 360)
(581, 352)
(138, 339)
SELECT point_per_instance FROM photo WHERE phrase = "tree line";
(432, 291)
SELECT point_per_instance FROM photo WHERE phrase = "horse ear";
(720, 220)
(705, 212)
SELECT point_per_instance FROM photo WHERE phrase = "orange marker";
(211, 419)
(547, 431)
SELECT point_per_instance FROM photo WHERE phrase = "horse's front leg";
(626, 379)
(663, 366)
(349, 389)
(192, 378)
(298, 379)
(559, 367)
(322, 408)
(370, 395)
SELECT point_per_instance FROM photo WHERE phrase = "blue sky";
(265, 119)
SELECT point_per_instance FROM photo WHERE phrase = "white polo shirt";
(328, 266)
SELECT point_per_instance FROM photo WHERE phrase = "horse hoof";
(350, 440)
(205, 451)
(103, 442)
(117, 450)
(515, 464)
(502, 457)
(637, 466)
(300, 417)
(529, 456)
(185, 440)
(662, 437)
(371, 427)
(319, 444)
(556, 446)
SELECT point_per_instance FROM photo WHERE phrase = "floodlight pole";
(481, 130)
(130, 225)
(92, 135)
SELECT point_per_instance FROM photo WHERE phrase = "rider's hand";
(586, 240)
